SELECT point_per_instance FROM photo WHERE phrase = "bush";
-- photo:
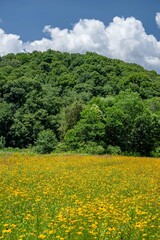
(156, 152)
(61, 147)
(92, 148)
(2, 142)
(46, 142)
(113, 150)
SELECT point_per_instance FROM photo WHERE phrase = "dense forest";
(88, 103)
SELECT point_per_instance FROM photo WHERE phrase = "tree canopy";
(88, 102)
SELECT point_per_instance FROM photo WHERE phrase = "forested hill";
(82, 103)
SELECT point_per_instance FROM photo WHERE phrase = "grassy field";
(79, 197)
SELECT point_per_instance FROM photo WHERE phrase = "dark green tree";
(46, 142)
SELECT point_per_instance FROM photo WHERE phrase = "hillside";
(82, 103)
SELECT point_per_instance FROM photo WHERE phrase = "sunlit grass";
(79, 197)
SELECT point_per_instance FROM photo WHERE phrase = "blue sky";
(26, 20)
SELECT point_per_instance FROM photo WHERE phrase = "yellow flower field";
(79, 197)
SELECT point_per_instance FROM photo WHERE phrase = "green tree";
(46, 142)
(6, 119)
(24, 129)
(146, 133)
(70, 116)
(90, 128)
(120, 119)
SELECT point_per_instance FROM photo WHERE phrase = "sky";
(126, 30)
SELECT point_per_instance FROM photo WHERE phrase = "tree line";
(83, 103)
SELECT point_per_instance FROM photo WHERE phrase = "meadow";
(79, 197)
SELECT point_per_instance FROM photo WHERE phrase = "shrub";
(2, 142)
(92, 148)
(61, 147)
(156, 152)
(113, 150)
(46, 142)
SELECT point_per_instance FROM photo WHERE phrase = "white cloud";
(128, 41)
(157, 18)
(124, 39)
(10, 43)
(86, 35)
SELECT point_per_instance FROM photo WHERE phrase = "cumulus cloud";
(128, 41)
(86, 35)
(123, 39)
(157, 18)
(10, 43)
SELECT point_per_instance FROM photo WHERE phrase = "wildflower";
(7, 230)
(41, 236)
(51, 232)
(94, 225)
(6, 225)
(13, 225)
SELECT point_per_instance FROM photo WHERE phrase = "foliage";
(70, 116)
(113, 150)
(145, 133)
(156, 152)
(90, 128)
(46, 142)
(84, 99)
(2, 142)
(92, 148)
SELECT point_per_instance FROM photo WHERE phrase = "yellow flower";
(13, 225)
(7, 230)
(6, 225)
(51, 231)
(94, 225)
(41, 236)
